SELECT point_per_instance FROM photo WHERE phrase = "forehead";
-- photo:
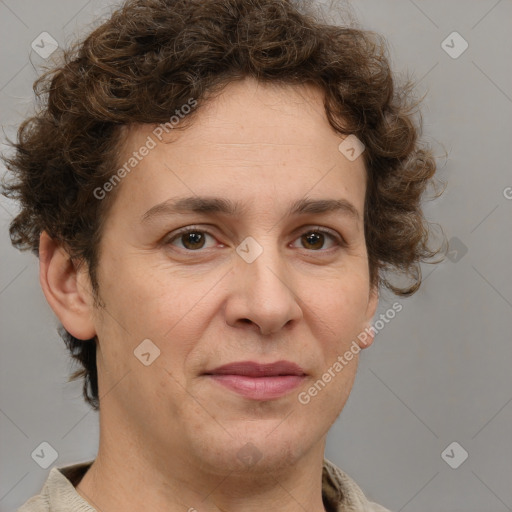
(247, 112)
(252, 141)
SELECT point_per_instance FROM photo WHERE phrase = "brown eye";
(315, 239)
(191, 239)
(194, 239)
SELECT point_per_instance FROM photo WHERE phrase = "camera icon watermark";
(351, 148)
(147, 352)
(44, 45)
(249, 250)
(44, 455)
(456, 249)
(249, 454)
(454, 45)
(507, 193)
(454, 455)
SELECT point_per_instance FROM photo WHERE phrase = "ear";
(367, 337)
(67, 290)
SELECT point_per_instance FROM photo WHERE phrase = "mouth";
(259, 381)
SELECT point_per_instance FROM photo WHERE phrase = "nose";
(262, 294)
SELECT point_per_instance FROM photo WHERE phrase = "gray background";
(439, 372)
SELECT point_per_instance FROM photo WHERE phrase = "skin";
(169, 436)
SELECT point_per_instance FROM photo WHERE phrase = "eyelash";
(339, 241)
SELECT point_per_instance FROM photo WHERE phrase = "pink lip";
(259, 381)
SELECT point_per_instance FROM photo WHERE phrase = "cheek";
(158, 304)
(342, 306)
(139, 294)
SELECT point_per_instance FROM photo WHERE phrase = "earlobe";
(62, 286)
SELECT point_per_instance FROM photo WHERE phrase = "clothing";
(339, 492)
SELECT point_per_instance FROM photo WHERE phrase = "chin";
(257, 449)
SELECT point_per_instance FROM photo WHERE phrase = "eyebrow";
(217, 205)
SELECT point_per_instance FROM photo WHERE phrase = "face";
(208, 287)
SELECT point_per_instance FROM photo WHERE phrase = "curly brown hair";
(149, 58)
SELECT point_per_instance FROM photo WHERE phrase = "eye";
(192, 238)
(314, 239)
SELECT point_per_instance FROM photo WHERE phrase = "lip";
(259, 381)
(254, 369)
